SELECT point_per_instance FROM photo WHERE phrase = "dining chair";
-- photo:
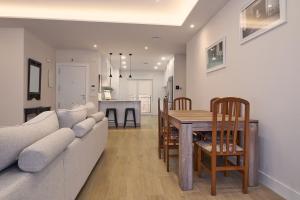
(233, 116)
(182, 103)
(212, 101)
(203, 135)
(160, 135)
(170, 135)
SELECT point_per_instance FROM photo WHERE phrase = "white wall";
(169, 70)
(92, 58)
(158, 82)
(11, 76)
(38, 50)
(264, 71)
(180, 75)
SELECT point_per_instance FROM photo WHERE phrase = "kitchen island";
(121, 105)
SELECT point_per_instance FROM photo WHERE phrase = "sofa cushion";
(14, 139)
(91, 108)
(82, 128)
(68, 118)
(98, 116)
(38, 155)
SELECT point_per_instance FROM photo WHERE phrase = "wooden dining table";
(187, 122)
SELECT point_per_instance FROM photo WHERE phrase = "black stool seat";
(127, 110)
(115, 120)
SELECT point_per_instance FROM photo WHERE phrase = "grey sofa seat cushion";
(98, 116)
(40, 154)
(68, 118)
(14, 139)
(82, 128)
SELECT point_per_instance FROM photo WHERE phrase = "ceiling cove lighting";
(110, 75)
(130, 76)
(120, 65)
(174, 13)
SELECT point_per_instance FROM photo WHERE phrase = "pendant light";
(110, 75)
(130, 76)
(120, 65)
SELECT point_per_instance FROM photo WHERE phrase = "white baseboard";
(280, 188)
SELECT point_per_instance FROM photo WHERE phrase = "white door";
(140, 90)
(145, 95)
(71, 87)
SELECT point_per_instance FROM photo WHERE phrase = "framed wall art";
(260, 16)
(216, 55)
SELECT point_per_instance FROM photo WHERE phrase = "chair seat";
(206, 145)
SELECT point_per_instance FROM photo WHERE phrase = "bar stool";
(127, 110)
(115, 120)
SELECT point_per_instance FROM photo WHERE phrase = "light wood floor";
(130, 170)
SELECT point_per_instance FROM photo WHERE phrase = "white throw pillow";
(98, 116)
(82, 128)
(91, 108)
(68, 118)
(14, 139)
(40, 154)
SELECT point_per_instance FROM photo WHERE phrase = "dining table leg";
(253, 155)
(186, 157)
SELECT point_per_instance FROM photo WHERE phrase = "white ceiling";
(119, 37)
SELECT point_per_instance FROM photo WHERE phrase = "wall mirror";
(34, 79)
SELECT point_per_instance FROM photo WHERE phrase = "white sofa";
(35, 170)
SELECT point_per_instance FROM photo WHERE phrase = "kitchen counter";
(121, 105)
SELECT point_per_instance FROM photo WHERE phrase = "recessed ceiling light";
(124, 62)
(95, 46)
(163, 58)
(123, 57)
(155, 67)
(146, 47)
(192, 26)
(145, 63)
(124, 66)
(155, 37)
(159, 63)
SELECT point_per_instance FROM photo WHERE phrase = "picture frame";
(216, 55)
(34, 79)
(260, 16)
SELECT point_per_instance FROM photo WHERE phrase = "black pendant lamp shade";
(120, 65)
(110, 75)
(130, 76)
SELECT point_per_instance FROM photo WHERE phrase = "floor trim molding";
(278, 187)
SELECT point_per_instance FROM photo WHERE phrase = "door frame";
(87, 78)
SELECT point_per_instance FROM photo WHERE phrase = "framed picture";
(260, 16)
(216, 55)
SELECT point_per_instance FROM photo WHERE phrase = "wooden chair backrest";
(212, 101)
(165, 115)
(182, 103)
(159, 118)
(229, 110)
